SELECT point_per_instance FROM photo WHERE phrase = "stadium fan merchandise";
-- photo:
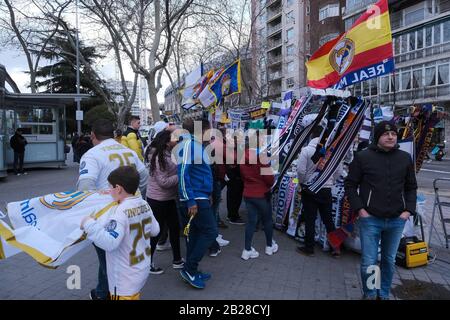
(48, 228)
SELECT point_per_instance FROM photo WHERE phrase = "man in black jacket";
(382, 188)
(18, 143)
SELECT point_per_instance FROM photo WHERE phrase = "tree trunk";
(152, 93)
(33, 81)
(121, 117)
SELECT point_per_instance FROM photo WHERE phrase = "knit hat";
(381, 128)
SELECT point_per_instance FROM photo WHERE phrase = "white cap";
(160, 126)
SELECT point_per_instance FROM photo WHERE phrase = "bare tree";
(25, 28)
(143, 29)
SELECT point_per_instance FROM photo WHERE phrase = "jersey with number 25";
(126, 240)
(101, 160)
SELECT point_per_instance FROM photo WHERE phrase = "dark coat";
(386, 181)
(18, 143)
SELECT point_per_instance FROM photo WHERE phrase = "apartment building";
(285, 34)
(421, 39)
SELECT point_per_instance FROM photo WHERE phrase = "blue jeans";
(258, 207)
(203, 232)
(102, 289)
(372, 230)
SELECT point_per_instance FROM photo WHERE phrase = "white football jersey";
(126, 240)
(101, 160)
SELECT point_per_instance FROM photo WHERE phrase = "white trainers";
(221, 241)
(163, 247)
(273, 249)
(249, 254)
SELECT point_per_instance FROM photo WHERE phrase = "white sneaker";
(249, 254)
(222, 242)
(273, 249)
(163, 247)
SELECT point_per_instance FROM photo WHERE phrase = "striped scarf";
(339, 148)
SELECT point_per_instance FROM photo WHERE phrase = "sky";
(16, 65)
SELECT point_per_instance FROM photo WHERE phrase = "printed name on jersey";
(114, 147)
(133, 212)
(84, 171)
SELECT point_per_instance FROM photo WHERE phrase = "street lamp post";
(78, 100)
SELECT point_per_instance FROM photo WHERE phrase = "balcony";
(418, 95)
(273, 61)
(427, 52)
(273, 44)
(275, 76)
(356, 7)
(274, 91)
(270, 3)
(274, 13)
(273, 30)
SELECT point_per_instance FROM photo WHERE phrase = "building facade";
(140, 106)
(285, 34)
(421, 40)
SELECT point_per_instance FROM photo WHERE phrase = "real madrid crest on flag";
(362, 53)
(341, 56)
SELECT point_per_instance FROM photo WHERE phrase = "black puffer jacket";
(386, 181)
(18, 143)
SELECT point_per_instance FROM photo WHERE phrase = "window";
(428, 36)
(414, 15)
(412, 41)
(327, 38)
(417, 78)
(308, 27)
(290, 50)
(437, 34)
(307, 45)
(443, 74)
(384, 84)
(290, 33)
(308, 10)
(446, 25)
(374, 86)
(420, 39)
(406, 80)
(430, 76)
(290, 66)
(404, 43)
(290, 82)
(396, 44)
(331, 10)
(290, 17)
(365, 88)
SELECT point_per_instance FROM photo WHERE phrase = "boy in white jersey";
(95, 167)
(126, 236)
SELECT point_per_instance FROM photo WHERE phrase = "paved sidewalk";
(285, 275)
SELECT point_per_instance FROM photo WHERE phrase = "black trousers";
(235, 189)
(321, 201)
(18, 158)
(166, 213)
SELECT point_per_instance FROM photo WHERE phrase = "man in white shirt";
(313, 202)
(95, 167)
(126, 236)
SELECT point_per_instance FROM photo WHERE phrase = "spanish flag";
(363, 52)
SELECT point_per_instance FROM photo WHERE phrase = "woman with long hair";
(162, 190)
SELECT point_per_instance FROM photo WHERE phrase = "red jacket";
(255, 184)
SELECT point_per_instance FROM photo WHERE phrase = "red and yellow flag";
(363, 52)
